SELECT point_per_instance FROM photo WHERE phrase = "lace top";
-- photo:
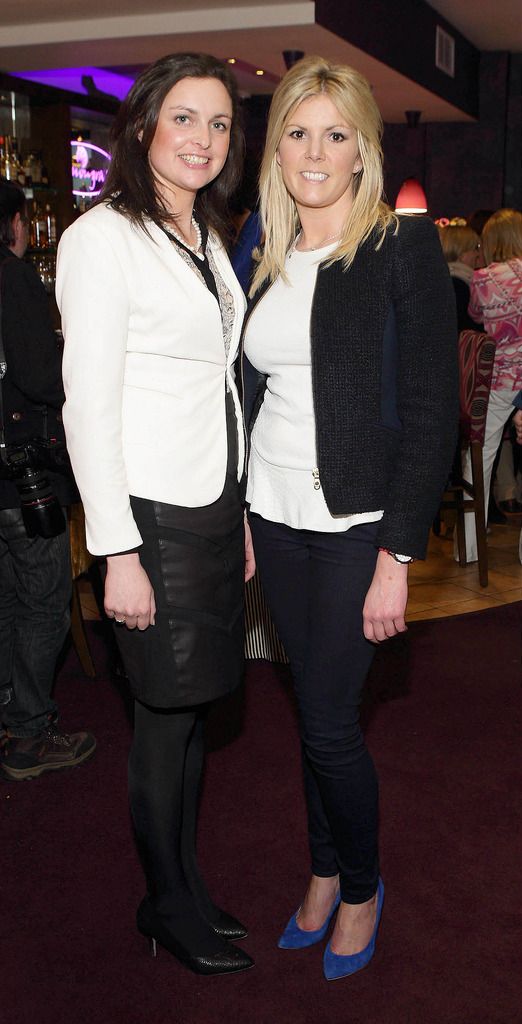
(196, 262)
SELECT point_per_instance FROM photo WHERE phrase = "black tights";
(165, 766)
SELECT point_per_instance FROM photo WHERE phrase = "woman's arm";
(385, 604)
(476, 306)
(129, 596)
(250, 561)
(427, 388)
(93, 297)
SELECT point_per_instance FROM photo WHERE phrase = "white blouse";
(283, 479)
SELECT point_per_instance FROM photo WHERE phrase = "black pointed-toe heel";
(228, 927)
(229, 961)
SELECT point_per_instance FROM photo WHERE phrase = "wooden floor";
(438, 586)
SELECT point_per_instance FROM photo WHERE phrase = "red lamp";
(411, 198)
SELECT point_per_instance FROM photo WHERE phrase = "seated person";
(461, 245)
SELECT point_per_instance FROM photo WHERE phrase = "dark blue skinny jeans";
(315, 584)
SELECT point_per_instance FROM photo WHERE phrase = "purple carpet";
(443, 723)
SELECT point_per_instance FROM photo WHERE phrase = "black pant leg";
(35, 595)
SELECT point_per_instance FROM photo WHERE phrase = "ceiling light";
(231, 60)
(259, 72)
(411, 198)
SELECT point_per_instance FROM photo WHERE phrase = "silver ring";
(120, 622)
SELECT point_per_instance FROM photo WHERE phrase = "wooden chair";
(476, 358)
(81, 562)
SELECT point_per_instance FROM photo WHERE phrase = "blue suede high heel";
(337, 966)
(294, 937)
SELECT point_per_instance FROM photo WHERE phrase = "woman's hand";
(129, 596)
(385, 604)
(517, 420)
(250, 561)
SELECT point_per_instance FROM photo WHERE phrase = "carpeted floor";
(443, 723)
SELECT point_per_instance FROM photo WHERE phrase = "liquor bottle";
(50, 221)
(36, 168)
(38, 229)
(2, 156)
(11, 164)
(17, 166)
(28, 169)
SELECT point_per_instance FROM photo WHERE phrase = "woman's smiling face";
(318, 155)
(192, 137)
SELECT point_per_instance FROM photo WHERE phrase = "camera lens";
(41, 511)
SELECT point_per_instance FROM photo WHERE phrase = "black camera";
(27, 465)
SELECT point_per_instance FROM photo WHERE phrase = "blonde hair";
(502, 236)
(351, 94)
(456, 240)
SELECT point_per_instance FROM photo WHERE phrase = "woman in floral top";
(496, 301)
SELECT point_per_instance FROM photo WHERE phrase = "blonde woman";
(351, 387)
(461, 248)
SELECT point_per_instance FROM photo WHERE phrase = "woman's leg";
(191, 788)
(284, 567)
(316, 585)
(158, 794)
(329, 695)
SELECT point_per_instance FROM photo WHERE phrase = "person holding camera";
(35, 485)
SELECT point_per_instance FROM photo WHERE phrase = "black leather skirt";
(194, 558)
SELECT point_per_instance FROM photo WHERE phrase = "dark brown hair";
(12, 201)
(130, 185)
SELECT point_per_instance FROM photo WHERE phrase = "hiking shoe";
(28, 757)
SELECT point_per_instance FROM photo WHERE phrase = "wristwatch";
(402, 559)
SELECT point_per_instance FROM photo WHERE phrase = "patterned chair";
(476, 358)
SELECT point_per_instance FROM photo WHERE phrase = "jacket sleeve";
(32, 352)
(94, 301)
(427, 387)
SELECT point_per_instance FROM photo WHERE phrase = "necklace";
(193, 248)
(311, 248)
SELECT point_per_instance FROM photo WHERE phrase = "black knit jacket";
(385, 383)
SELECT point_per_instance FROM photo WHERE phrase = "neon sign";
(89, 168)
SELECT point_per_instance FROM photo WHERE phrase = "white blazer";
(144, 373)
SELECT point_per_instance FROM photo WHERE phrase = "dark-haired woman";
(151, 318)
